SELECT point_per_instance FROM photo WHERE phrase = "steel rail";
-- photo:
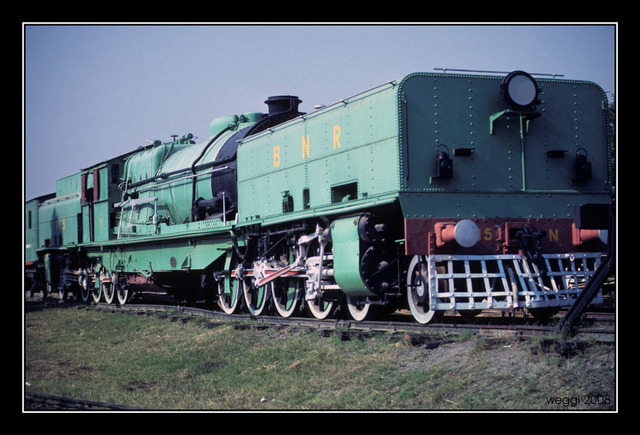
(34, 401)
(523, 331)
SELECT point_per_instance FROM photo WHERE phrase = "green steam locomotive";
(435, 192)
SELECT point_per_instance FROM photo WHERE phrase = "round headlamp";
(520, 90)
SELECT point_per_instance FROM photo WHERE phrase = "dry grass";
(153, 363)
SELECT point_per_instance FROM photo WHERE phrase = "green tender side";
(381, 145)
(343, 157)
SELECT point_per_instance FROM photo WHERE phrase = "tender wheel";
(418, 294)
(359, 308)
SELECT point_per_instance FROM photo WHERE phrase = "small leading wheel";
(359, 308)
(418, 294)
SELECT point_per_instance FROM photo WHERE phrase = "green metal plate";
(346, 257)
(343, 153)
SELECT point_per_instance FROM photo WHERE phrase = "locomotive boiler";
(431, 193)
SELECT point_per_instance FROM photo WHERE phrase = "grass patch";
(154, 363)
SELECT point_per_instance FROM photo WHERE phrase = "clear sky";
(92, 92)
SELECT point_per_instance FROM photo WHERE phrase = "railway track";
(46, 402)
(596, 326)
